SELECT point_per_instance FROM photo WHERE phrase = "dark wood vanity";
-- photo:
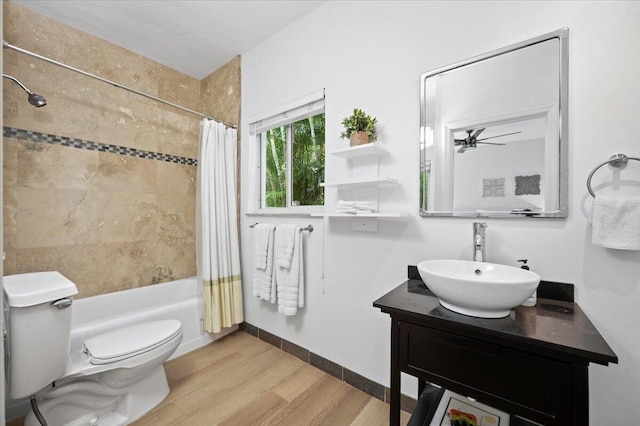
(532, 364)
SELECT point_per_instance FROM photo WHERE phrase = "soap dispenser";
(533, 299)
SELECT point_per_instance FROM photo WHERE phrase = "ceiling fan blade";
(491, 143)
(477, 133)
(499, 136)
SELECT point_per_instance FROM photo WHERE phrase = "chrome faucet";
(479, 241)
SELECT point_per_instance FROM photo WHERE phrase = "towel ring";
(616, 160)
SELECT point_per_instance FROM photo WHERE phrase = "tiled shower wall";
(76, 199)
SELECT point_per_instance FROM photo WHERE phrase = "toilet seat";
(130, 341)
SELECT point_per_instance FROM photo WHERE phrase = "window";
(292, 149)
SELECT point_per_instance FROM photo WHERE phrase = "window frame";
(286, 118)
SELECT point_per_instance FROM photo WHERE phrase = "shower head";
(34, 99)
(37, 100)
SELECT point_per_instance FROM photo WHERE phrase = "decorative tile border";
(33, 136)
(368, 386)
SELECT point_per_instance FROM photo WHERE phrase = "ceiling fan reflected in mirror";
(472, 141)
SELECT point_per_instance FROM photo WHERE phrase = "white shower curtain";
(217, 227)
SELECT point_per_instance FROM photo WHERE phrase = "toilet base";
(86, 401)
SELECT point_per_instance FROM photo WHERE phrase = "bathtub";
(179, 300)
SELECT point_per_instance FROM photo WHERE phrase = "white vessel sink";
(478, 289)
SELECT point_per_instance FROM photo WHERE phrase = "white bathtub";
(179, 300)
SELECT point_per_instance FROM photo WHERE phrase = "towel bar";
(616, 160)
(306, 228)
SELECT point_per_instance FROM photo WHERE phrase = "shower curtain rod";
(113, 83)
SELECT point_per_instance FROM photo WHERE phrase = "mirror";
(494, 133)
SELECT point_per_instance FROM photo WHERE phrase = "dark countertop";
(553, 328)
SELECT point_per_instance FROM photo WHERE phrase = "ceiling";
(193, 37)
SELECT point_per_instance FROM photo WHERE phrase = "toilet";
(115, 378)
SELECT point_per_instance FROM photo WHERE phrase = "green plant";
(359, 122)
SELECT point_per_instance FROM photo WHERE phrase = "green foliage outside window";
(307, 158)
(424, 189)
(276, 167)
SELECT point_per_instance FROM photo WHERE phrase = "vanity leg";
(394, 403)
(580, 395)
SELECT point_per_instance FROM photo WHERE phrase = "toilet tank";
(38, 322)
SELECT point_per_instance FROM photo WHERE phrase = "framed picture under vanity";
(457, 410)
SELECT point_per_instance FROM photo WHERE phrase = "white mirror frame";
(556, 147)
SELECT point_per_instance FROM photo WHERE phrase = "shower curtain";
(217, 227)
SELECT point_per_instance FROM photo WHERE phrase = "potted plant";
(359, 127)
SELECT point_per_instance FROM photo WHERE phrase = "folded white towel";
(263, 274)
(285, 238)
(364, 204)
(616, 222)
(290, 281)
(262, 240)
(354, 207)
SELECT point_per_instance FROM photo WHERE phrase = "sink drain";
(478, 272)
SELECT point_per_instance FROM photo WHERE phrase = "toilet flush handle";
(62, 303)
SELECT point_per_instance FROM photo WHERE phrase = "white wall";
(369, 55)
(519, 158)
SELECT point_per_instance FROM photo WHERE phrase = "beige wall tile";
(10, 162)
(109, 222)
(176, 216)
(121, 173)
(11, 98)
(79, 49)
(9, 264)
(181, 137)
(181, 89)
(21, 114)
(221, 98)
(221, 92)
(76, 262)
(176, 178)
(42, 165)
(126, 217)
(9, 217)
(10, 193)
(175, 259)
(177, 196)
(122, 266)
(55, 217)
(82, 107)
(176, 200)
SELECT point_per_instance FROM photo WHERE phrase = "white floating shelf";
(362, 182)
(361, 151)
(390, 215)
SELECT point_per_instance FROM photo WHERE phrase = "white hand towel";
(290, 282)
(285, 237)
(263, 274)
(262, 240)
(616, 222)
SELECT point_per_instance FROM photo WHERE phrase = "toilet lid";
(131, 340)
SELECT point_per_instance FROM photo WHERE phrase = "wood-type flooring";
(241, 380)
